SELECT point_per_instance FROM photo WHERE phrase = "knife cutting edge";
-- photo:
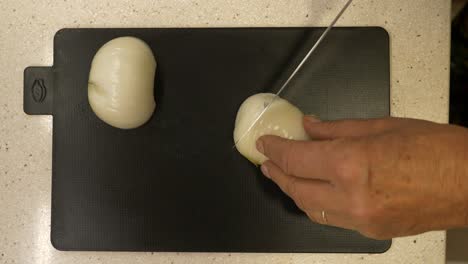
(314, 47)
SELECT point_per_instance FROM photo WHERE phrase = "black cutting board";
(176, 184)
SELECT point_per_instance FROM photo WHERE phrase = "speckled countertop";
(419, 31)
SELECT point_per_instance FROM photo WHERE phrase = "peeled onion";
(121, 83)
(281, 119)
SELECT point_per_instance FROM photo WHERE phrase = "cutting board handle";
(38, 90)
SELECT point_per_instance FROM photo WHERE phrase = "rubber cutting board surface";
(176, 183)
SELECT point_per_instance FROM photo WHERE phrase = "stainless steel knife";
(314, 47)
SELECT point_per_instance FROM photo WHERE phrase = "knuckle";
(331, 127)
(288, 158)
(298, 198)
(363, 212)
(291, 188)
(295, 194)
(345, 170)
(351, 166)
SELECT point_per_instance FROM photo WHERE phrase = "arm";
(384, 177)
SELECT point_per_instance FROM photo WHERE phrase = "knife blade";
(297, 69)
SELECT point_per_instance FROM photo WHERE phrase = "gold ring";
(324, 217)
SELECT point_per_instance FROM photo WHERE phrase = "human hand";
(383, 178)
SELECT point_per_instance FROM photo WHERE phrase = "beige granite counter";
(419, 31)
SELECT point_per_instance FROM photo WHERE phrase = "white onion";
(121, 83)
(281, 119)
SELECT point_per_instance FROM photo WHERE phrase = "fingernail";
(311, 119)
(260, 146)
(264, 170)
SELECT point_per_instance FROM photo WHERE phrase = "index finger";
(350, 127)
(304, 159)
